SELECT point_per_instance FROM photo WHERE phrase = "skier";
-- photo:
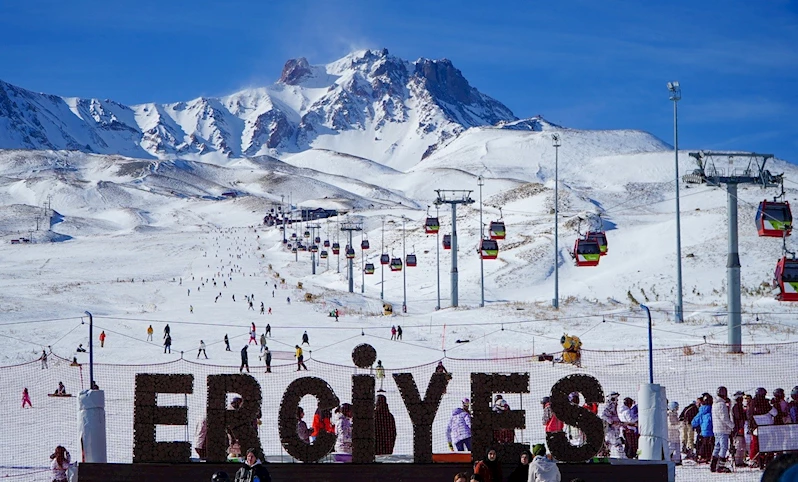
(189, 292)
(251, 305)
(166, 331)
(262, 308)
(704, 421)
(688, 438)
(268, 329)
(336, 314)
(226, 343)
(102, 339)
(43, 358)
(272, 293)
(398, 332)
(393, 332)
(267, 358)
(149, 333)
(252, 327)
(167, 344)
(202, 350)
(244, 359)
(262, 341)
(305, 338)
(300, 357)
(722, 426)
(252, 338)
(191, 308)
(234, 297)
(270, 310)
(26, 398)
(458, 431)
(288, 300)
(738, 417)
(380, 374)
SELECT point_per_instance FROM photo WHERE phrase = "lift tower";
(740, 168)
(350, 227)
(454, 197)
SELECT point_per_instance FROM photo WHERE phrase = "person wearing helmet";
(738, 418)
(550, 421)
(793, 405)
(673, 433)
(612, 435)
(458, 432)
(781, 408)
(722, 426)
(759, 405)
(220, 476)
(703, 422)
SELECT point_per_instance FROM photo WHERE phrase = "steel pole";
(481, 260)
(650, 347)
(438, 254)
(349, 262)
(362, 268)
(404, 271)
(91, 350)
(454, 255)
(382, 266)
(679, 302)
(556, 300)
(312, 254)
(733, 275)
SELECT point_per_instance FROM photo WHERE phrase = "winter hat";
(545, 400)
(738, 394)
(498, 397)
(539, 449)
(466, 401)
(673, 405)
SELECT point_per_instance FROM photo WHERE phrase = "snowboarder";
(43, 358)
(262, 341)
(393, 332)
(305, 338)
(380, 374)
(244, 359)
(102, 339)
(61, 390)
(149, 333)
(81, 349)
(167, 344)
(26, 398)
(226, 343)
(398, 332)
(268, 329)
(202, 350)
(166, 331)
(300, 357)
(267, 358)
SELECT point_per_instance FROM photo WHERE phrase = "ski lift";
(323, 254)
(488, 249)
(600, 237)
(587, 252)
(293, 235)
(431, 225)
(396, 264)
(314, 248)
(302, 247)
(364, 244)
(307, 234)
(350, 252)
(336, 248)
(410, 259)
(369, 269)
(385, 259)
(326, 243)
(317, 240)
(497, 229)
(447, 241)
(293, 250)
(774, 219)
(786, 278)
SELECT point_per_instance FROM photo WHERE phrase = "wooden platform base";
(353, 472)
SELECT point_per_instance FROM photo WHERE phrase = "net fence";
(29, 435)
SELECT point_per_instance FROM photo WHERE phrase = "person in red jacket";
(102, 339)
(550, 421)
(321, 422)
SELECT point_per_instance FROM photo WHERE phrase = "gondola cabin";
(432, 226)
(410, 260)
(497, 230)
(350, 253)
(293, 250)
(786, 277)
(396, 264)
(323, 254)
(336, 248)
(369, 269)
(586, 252)
(364, 244)
(447, 241)
(774, 219)
(599, 237)
(293, 235)
(314, 248)
(317, 240)
(326, 243)
(307, 234)
(385, 259)
(302, 247)
(489, 249)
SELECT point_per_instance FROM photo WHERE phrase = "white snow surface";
(120, 233)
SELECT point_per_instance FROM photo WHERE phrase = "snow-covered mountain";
(368, 104)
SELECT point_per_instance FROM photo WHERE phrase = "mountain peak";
(294, 71)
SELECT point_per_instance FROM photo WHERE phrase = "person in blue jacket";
(703, 421)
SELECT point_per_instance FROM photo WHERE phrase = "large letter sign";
(241, 423)
(325, 442)
(422, 412)
(485, 420)
(576, 416)
(147, 414)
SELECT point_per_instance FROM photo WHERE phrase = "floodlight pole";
(733, 274)
(91, 350)
(555, 139)
(480, 183)
(675, 96)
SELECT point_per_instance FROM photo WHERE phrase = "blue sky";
(583, 64)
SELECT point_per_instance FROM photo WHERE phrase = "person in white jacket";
(722, 426)
(343, 428)
(674, 429)
(543, 468)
